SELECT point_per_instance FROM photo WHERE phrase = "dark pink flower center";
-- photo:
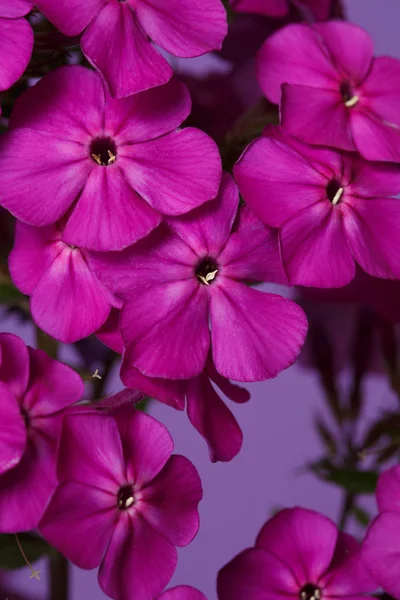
(334, 191)
(207, 271)
(103, 151)
(125, 497)
(25, 416)
(310, 592)
(349, 97)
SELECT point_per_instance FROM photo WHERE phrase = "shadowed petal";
(110, 334)
(375, 138)
(381, 551)
(388, 490)
(12, 430)
(70, 17)
(381, 89)
(16, 43)
(269, 8)
(234, 392)
(254, 335)
(14, 364)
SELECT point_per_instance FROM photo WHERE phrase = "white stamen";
(337, 196)
(352, 101)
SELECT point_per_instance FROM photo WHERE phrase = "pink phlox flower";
(118, 36)
(127, 501)
(67, 300)
(189, 277)
(35, 393)
(299, 554)
(112, 168)
(182, 592)
(332, 208)
(331, 90)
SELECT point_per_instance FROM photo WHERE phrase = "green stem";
(347, 506)
(59, 577)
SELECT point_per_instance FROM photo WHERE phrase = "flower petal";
(315, 250)
(87, 511)
(286, 58)
(16, 8)
(63, 165)
(234, 392)
(137, 559)
(182, 592)
(374, 179)
(58, 105)
(317, 116)
(213, 419)
(12, 430)
(91, 451)
(381, 89)
(268, 8)
(70, 18)
(303, 539)
(128, 62)
(16, 44)
(165, 329)
(388, 490)
(109, 333)
(381, 551)
(171, 501)
(373, 228)
(147, 115)
(184, 28)
(14, 364)
(254, 335)
(207, 228)
(256, 575)
(109, 214)
(174, 173)
(375, 138)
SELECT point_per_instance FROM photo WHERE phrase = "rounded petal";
(110, 334)
(12, 430)
(68, 103)
(268, 8)
(87, 511)
(303, 540)
(14, 9)
(128, 62)
(70, 17)
(295, 54)
(14, 364)
(16, 44)
(171, 501)
(254, 335)
(174, 173)
(109, 215)
(184, 29)
(388, 490)
(146, 443)
(234, 392)
(256, 575)
(182, 592)
(381, 551)
(314, 247)
(381, 90)
(375, 138)
(24, 168)
(213, 420)
(138, 563)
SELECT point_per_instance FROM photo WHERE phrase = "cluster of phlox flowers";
(129, 228)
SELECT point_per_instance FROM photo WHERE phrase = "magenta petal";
(174, 173)
(14, 364)
(234, 392)
(285, 58)
(16, 43)
(10, 9)
(303, 539)
(109, 215)
(59, 105)
(138, 563)
(388, 490)
(213, 419)
(207, 228)
(69, 303)
(374, 179)
(12, 430)
(316, 116)
(165, 329)
(148, 115)
(254, 335)
(374, 138)
(252, 252)
(373, 228)
(185, 28)
(110, 334)
(314, 246)
(165, 390)
(268, 8)
(70, 17)
(381, 89)
(171, 500)
(182, 592)
(350, 47)
(63, 165)
(87, 511)
(257, 575)
(52, 385)
(128, 62)
(381, 551)
(91, 452)
(146, 443)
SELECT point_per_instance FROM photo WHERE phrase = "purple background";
(278, 433)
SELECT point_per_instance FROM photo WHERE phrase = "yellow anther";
(352, 101)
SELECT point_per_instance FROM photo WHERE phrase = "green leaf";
(33, 546)
(10, 295)
(352, 480)
(361, 516)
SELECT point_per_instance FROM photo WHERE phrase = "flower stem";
(59, 577)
